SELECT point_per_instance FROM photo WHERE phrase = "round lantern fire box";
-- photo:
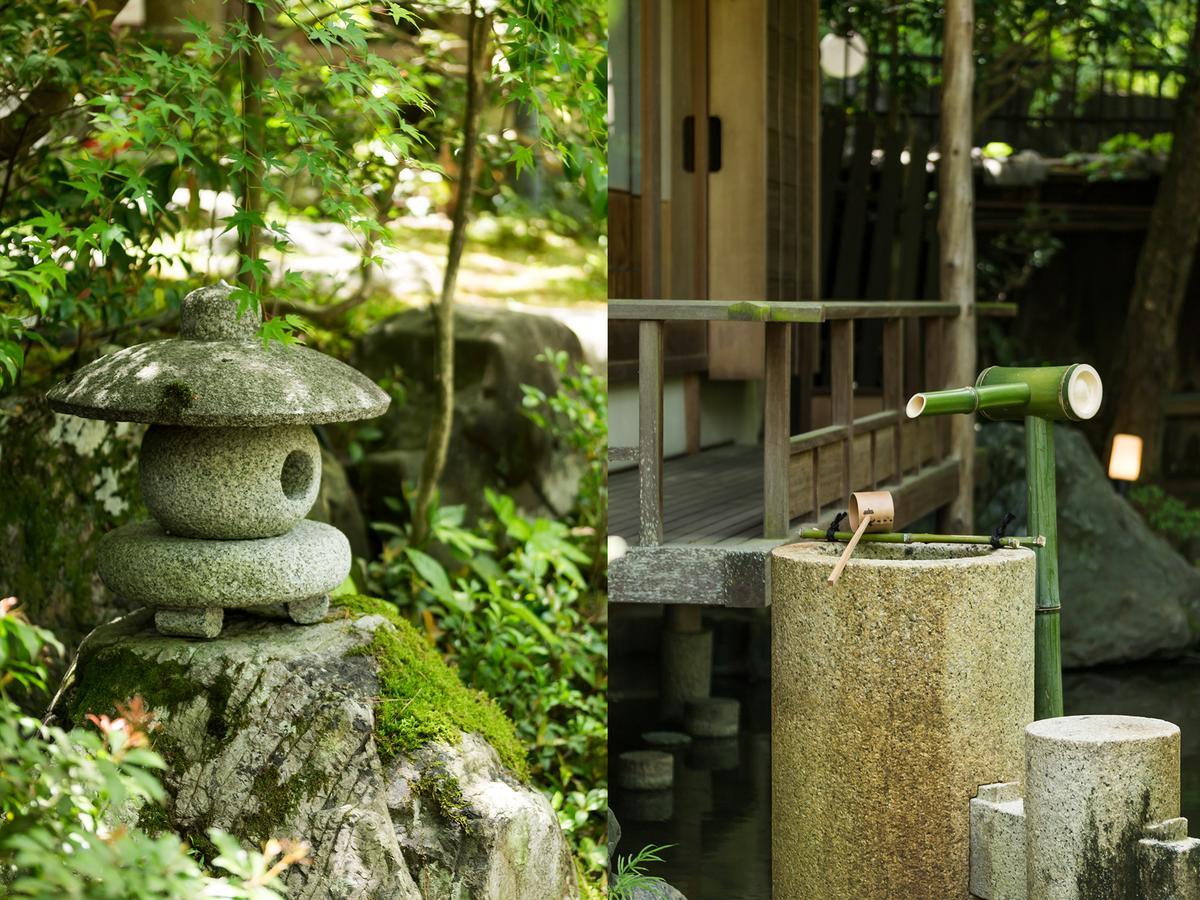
(229, 467)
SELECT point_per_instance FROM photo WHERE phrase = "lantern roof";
(218, 373)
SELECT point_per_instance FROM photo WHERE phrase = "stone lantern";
(229, 467)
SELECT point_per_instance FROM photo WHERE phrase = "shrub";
(63, 793)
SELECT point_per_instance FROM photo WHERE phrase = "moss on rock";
(422, 698)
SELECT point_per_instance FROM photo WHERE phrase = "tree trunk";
(439, 431)
(1149, 345)
(956, 231)
(253, 139)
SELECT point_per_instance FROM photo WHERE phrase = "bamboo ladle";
(869, 511)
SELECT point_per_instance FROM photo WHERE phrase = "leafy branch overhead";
(118, 148)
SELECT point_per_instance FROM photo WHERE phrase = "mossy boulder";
(352, 734)
(492, 444)
(1126, 593)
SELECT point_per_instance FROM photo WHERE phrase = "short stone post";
(1093, 783)
(896, 694)
(685, 662)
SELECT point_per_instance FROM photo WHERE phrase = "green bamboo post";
(1042, 508)
(897, 537)
(1040, 396)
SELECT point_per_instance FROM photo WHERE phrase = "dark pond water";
(718, 813)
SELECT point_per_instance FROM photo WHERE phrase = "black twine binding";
(999, 530)
(831, 534)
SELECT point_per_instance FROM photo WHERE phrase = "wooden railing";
(804, 473)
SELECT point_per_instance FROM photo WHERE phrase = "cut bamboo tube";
(897, 537)
(858, 533)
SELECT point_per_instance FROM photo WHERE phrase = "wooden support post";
(841, 391)
(650, 436)
(777, 429)
(956, 230)
(651, 153)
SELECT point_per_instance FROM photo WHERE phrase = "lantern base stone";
(201, 623)
(196, 578)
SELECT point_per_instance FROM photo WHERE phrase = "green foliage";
(1170, 517)
(1125, 156)
(630, 874)
(421, 699)
(71, 789)
(577, 418)
(517, 604)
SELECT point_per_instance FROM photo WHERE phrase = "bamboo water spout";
(1040, 396)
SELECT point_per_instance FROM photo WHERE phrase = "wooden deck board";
(706, 496)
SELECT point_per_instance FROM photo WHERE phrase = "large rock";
(352, 735)
(492, 444)
(1126, 593)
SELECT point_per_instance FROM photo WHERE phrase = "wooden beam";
(694, 573)
(777, 410)
(795, 311)
(650, 435)
(957, 243)
(622, 454)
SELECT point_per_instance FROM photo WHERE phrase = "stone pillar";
(1092, 784)
(896, 694)
(686, 661)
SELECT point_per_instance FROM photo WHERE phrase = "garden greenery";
(63, 793)
(518, 605)
(125, 158)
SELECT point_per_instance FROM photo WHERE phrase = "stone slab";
(998, 843)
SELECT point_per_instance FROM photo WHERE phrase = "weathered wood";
(841, 381)
(650, 435)
(704, 575)
(794, 311)
(622, 454)
(776, 429)
(819, 437)
(811, 199)
(935, 368)
(957, 242)
(738, 264)
(650, 209)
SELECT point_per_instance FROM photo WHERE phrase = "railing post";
(650, 437)
(777, 412)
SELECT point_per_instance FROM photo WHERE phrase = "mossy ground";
(421, 698)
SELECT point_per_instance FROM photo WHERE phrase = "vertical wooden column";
(956, 231)
(650, 436)
(651, 154)
(808, 230)
(841, 393)
(777, 429)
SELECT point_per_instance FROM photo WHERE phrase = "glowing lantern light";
(1125, 463)
(843, 56)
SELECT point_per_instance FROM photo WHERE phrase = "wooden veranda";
(701, 526)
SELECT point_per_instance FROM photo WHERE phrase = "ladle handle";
(845, 557)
